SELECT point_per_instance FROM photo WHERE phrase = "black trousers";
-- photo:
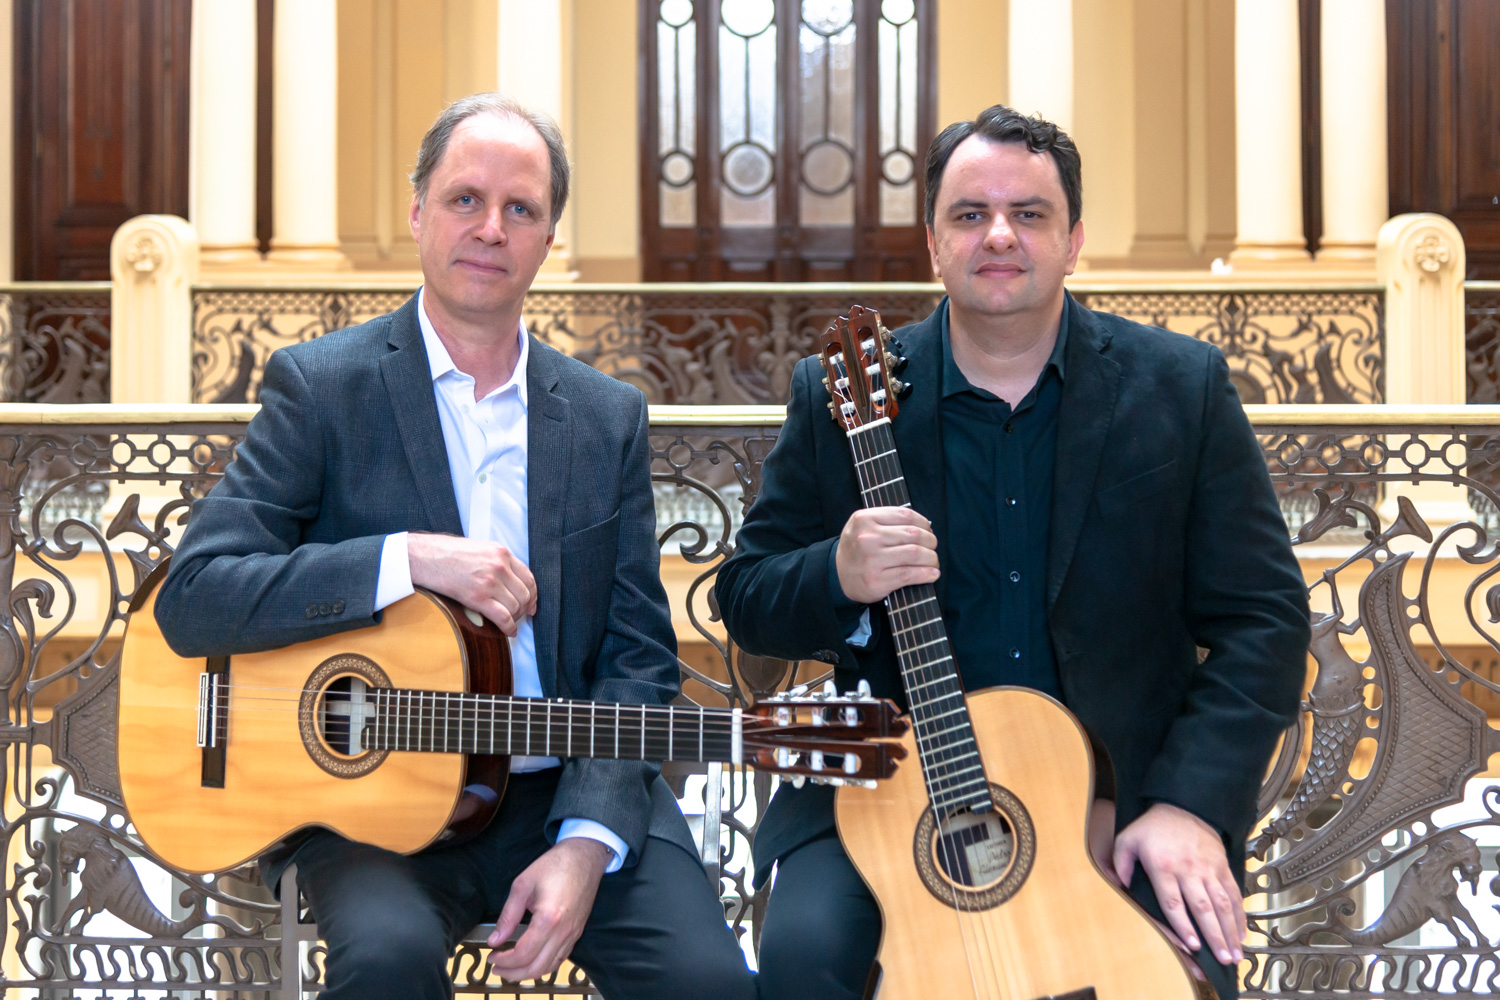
(822, 930)
(391, 922)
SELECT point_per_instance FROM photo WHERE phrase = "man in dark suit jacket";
(1089, 498)
(376, 452)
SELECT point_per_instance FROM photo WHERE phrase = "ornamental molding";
(145, 253)
(1432, 253)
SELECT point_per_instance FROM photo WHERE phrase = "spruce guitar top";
(376, 733)
(979, 858)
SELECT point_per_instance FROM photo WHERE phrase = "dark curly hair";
(1002, 124)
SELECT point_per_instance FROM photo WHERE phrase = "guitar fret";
(700, 732)
(617, 730)
(671, 729)
(643, 730)
(570, 729)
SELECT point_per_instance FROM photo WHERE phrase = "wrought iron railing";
(737, 343)
(54, 342)
(1377, 805)
(1482, 340)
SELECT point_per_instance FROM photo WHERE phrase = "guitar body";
(273, 774)
(1043, 922)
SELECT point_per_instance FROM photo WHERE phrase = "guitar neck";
(940, 720)
(451, 722)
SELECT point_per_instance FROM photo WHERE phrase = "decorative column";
(222, 174)
(304, 181)
(1041, 60)
(535, 66)
(1355, 186)
(153, 264)
(1420, 260)
(1268, 135)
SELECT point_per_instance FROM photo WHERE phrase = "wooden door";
(1444, 66)
(785, 141)
(101, 112)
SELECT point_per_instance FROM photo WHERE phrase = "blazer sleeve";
(636, 664)
(1245, 602)
(777, 592)
(242, 580)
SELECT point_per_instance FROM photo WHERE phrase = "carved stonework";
(1431, 253)
(145, 253)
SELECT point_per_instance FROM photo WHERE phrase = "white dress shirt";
(487, 446)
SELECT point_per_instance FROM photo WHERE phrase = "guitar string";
(916, 631)
(647, 727)
(888, 489)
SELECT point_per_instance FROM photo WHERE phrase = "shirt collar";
(441, 362)
(953, 377)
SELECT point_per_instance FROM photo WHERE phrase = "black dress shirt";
(998, 462)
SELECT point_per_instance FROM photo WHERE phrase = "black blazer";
(1165, 537)
(347, 448)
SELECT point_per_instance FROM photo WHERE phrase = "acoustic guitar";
(378, 733)
(979, 859)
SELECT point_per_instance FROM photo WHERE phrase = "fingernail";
(1225, 958)
(1193, 943)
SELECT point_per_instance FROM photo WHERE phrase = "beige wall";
(973, 68)
(1104, 87)
(1154, 112)
(605, 143)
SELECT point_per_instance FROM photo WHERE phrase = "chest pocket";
(1119, 498)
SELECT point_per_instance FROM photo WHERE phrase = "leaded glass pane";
(747, 112)
(677, 111)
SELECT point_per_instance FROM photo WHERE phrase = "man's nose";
(1000, 235)
(493, 228)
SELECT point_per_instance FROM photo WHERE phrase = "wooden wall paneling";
(101, 127)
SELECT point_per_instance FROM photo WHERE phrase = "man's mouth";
(996, 269)
(488, 267)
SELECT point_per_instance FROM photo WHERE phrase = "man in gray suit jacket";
(441, 447)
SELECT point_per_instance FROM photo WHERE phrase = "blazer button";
(338, 607)
(312, 611)
(324, 609)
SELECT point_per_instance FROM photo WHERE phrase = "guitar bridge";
(213, 720)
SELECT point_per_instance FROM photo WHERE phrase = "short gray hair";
(435, 142)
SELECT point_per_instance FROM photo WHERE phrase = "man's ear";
(414, 216)
(937, 272)
(1075, 244)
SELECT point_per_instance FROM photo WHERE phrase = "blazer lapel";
(548, 433)
(918, 428)
(408, 381)
(1090, 389)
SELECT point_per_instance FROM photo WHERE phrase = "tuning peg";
(900, 389)
(898, 364)
(816, 762)
(851, 764)
(798, 691)
(863, 690)
(830, 690)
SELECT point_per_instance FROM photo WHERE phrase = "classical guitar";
(979, 858)
(378, 733)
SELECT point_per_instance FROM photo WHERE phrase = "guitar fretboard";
(946, 747)
(450, 722)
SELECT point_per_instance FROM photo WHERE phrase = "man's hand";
(482, 576)
(883, 549)
(1184, 858)
(558, 890)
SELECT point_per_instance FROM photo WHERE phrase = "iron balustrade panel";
(54, 343)
(1292, 345)
(737, 344)
(1374, 873)
(1482, 340)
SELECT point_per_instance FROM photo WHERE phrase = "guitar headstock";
(825, 737)
(860, 362)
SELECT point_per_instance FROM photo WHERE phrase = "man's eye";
(466, 200)
(520, 209)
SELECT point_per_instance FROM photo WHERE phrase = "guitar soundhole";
(976, 860)
(335, 711)
(975, 850)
